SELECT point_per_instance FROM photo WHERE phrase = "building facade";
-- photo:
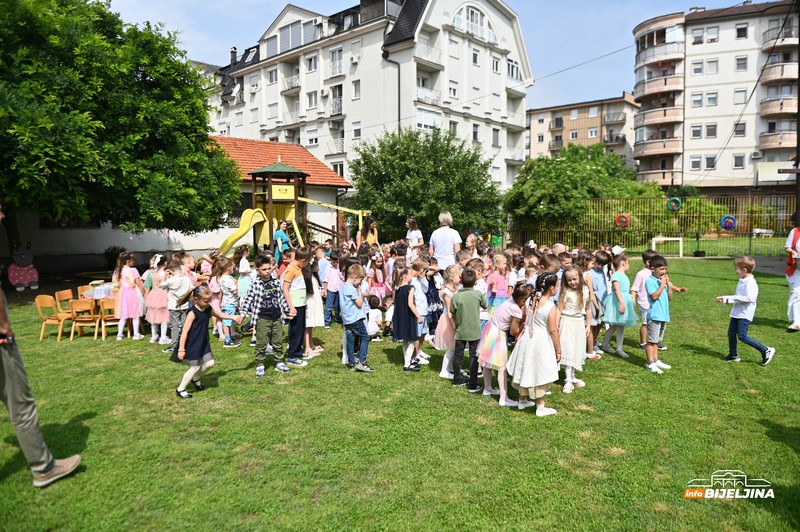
(329, 82)
(609, 121)
(718, 95)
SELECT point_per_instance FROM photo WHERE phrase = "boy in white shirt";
(374, 318)
(744, 309)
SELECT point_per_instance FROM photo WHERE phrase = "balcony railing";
(555, 144)
(434, 55)
(475, 29)
(782, 138)
(779, 72)
(292, 117)
(429, 96)
(614, 139)
(662, 49)
(336, 106)
(659, 115)
(336, 68)
(779, 105)
(778, 33)
(515, 154)
(558, 123)
(645, 148)
(335, 146)
(659, 84)
(611, 118)
(291, 83)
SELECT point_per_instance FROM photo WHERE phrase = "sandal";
(199, 386)
(319, 349)
(183, 394)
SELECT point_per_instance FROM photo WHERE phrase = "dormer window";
(473, 21)
(250, 55)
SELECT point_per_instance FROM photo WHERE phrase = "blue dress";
(282, 244)
(611, 313)
(404, 324)
(198, 347)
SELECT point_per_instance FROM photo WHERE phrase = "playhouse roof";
(252, 155)
(279, 168)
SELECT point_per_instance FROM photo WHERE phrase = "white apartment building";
(718, 95)
(330, 81)
(608, 121)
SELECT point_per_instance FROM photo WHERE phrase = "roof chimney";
(696, 9)
(233, 55)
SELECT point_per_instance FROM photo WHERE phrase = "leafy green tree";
(419, 174)
(552, 189)
(105, 121)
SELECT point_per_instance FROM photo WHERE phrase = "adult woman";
(368, 233)
(793, 275)
(281, 240)
(445, 242)
(413, 235)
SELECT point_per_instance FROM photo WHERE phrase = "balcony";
(476, 29)
(558, 123)
(775, 140)
(775, 38)
(613, 118)
(661, 52)
(291, 117)
(661, 177)
(336, 106)
(648, 148)
(514, 154)
(335, 146)
(779, 72)
(515, 121)
(556, 144)
(291, 84)
(782, 105)
(336, 68)
(657, 85)
(430, 55)
(515, 87)
(614, 139)
(429, 96)
(662, 115)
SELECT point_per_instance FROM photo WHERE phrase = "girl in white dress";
(573, 304)
(533, 365)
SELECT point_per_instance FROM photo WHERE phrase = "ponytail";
(544, 283)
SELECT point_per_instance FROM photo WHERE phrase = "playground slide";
(251, 218)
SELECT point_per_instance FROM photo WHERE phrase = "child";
(131, 294)
(188, 264)
(353, 315)
(388, 308)
(266, 303)
(574, 305)
(240, 259)
(618, 312)
(229, 299)
(330, 291)
(156, 302)
(445, 335)
(533, 364)
(322, 264)
(639, 294)
(743, 311)
(177, 285)
(193, 346)
(315, 310)
(286, 259)
(435, 307)
(498, 283)
(406, 317)
(493, 346)
(374, 318)
(660, 292)
(477, 266)
(420, 283)
(465, 307)
(599, 287)
(378, 279)
(295, 292)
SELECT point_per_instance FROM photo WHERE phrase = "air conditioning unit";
(317, 21)
(323, 93)
(756, 155)
(354, 58)
(253, 89)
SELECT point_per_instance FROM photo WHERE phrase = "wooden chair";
(83, 315)
(48, 311)
(83, 289)
(107, 317)
(65, 296)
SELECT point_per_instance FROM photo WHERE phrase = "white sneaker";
(423, 361)
(153, 339)
(549, 392)
(423, 354)
(522, 405)
(578, 383)
(568, 387)
(491, 392)
(662, 365)
(542, 411)
(622, 354)
(446, 375)
(654, 369)
(138, 337)
(508, 402)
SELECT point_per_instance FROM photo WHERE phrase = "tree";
(553, 188)
(102, 121)
(420, 174)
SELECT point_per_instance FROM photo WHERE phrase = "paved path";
(771, 265)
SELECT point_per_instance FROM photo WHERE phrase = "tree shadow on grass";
(63, 439)
(787, 497)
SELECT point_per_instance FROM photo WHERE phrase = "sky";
(558, 34)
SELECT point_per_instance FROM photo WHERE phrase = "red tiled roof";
(254, 154)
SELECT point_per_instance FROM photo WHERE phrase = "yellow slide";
(251, 219)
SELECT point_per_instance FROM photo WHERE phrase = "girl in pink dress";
(444, 338)
(157, 314)
(498, 283)
(131, 293)
(378, 280)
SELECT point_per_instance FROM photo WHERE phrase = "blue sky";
(558, 34)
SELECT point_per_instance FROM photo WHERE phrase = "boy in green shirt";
(465, 306)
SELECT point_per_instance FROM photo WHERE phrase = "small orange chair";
(107, 311)
(83, 315)
(64, 296)
(48, 311)
(83, 289)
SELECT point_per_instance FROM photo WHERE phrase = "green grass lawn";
(324, 448)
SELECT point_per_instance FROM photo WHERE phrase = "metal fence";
(761, 225)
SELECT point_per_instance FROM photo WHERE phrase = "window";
(356, 89)
(476, 132)
(741, 63)
(739, 95)
(739, 129)
(697, 131)
(540, 120)
(357, 129)
(254, 81)
(312, 100)
(712, 34)
(697, 99)
(272, 110)
(696, 161)
(738, 160)
(311, 63)
(592, 132)
(495, 65)
(475, 56)
(540, 138)
(711, 162)
(573, 114)
(711, 98)
(496, 101)
(336, 62)
(741, 30)
(712, 66)
(514, 71)
(495, 137)
(697, 68)
(313, 138)
(711, 131)
(476, 96)
(239, 118)
(592, 112)
(573, 134)
(697, 36)
(453, 48)
(338, 168)
(426, 120)
(453, 89)
(254, 115)
(272, 76)
(454, 127)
